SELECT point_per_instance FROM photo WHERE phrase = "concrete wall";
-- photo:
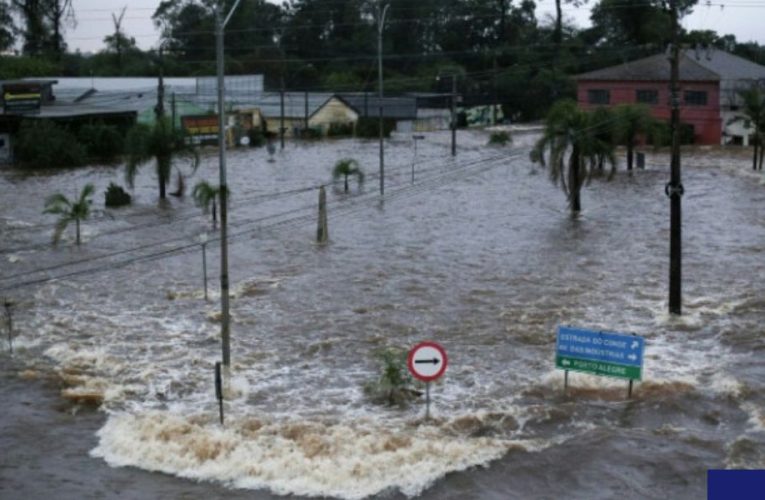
(706, 120)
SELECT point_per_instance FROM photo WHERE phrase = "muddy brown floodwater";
(478, 254)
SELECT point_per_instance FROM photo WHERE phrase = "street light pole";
(381, 11)
(220, 25)
(675, 187)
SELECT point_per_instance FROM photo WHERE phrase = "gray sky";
(742, 18)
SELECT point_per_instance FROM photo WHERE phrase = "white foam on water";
(300, 457)
(756, 416)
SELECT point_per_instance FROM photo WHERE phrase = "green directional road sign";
(599, 368)
(599, 353)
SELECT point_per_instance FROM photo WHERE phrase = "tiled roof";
(653, 68)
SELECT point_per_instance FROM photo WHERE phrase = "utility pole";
(675, 187)
(225, 334)
(381, 11)
(281, 91)
(173, 109)
(160, 109)
(454, 115)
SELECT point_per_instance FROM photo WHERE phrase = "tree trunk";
(558, 34)
(346, 183)
(762, 154)
(162, 186)
(575, 184)
(630, 154)
(215, 213)
(77, 226)
(754, 159)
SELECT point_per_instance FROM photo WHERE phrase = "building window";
(695, 98)
(598, 96)
(647, 96)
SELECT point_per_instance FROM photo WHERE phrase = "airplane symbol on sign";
(635, 344)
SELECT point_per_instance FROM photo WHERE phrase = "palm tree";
(160, 142)
(69, 211)
(206, 195)
(631, 121)
(346, 168)
(754, 109)
(576, 133)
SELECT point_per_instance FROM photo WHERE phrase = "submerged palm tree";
(69, 211)
(578, 134)
(206, 195)
(160, 142)
(632, 120)
(346, 168)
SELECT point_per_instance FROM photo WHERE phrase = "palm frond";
(59, 229)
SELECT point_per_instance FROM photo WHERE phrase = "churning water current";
(478, 254)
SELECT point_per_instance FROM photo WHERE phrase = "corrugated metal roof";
(400, 108)
(727, 66)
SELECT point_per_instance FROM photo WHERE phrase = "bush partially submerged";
(500, 138)
(116, 196)
(394, 385)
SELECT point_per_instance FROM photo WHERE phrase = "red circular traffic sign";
(427, 361)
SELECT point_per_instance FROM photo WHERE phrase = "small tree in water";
(632, 120)
(69, 211)
(346, 168)
(576, 133)
(206, 196)
(160, 142)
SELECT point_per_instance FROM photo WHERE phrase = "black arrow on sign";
(434, 361)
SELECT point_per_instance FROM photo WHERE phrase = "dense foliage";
(500, 48)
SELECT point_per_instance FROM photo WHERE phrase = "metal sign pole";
(427, 400)
(204, 266)
(9, 320)
(219, 389)
(565, 382)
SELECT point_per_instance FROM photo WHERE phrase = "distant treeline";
(498, 48)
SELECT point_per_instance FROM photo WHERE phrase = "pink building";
(709, 85)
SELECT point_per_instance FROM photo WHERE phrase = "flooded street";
(479, 254)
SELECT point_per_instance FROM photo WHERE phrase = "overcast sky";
(742, 18)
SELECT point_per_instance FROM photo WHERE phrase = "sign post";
(599, 353)
(219, 389)
(427, 362)
(9, 321)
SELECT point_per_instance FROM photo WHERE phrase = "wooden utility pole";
(9, 322)
(675, 187)
(322, 231)
(160, 109)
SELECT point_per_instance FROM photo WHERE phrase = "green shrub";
(102, 142)
(340, 130)
(500, 138)
(393, 386)
(369, 127)
(257, 139)
(661, 135)
(43, 144)
(115, 196)
(311, 133)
